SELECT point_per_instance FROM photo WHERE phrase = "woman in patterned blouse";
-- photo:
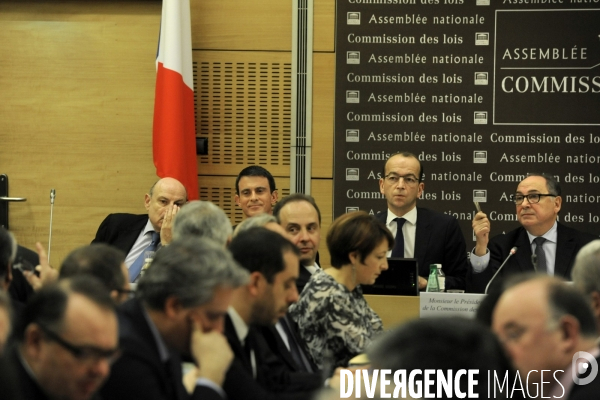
(333, 317)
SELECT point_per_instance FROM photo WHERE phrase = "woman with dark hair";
(332, 315)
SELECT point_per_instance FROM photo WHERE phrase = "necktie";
(541, 255)
(398, 250)
(137, 265)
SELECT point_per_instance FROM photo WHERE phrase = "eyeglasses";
(532, 198)
(85, 354)
(409, 180)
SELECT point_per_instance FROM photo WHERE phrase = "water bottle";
(433, 284)
(441, 277)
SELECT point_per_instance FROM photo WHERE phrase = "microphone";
(52, 195)
(534, 261)
(510, 254)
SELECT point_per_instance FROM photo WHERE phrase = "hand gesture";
(481, 227)
(211, 352)
(166, 229)
(47, 273)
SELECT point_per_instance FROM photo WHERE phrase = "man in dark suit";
(549, 331)
(257, 373)
(300, 217)
(178, 312)
(132, 233)
(66, 341)
(538, 201)
(428, 236)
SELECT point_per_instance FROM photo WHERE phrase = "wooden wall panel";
(243, 107)
(78, 88)
(322, 192)
(324, 25)
(78, 83)
(242, 25)
(323, 108)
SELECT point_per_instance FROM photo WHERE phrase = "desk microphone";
(534, 261)
(510, 254)
(52, 196)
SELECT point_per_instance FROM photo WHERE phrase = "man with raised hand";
(543, 244)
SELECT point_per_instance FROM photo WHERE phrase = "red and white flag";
(174, 131)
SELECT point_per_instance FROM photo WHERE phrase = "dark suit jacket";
(121, 230)
(439, 240)
(569, 242)
(279, 349)
(20, 290)
(272, 381)
(139, 373)
(28, 387)
(303, 278)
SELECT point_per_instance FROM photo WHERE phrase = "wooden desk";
(394, 310)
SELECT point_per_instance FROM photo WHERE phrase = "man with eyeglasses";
(543, 244)
(66, 341)
(429, 236)
(178, 313)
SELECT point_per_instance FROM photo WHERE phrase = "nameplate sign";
(449, 304)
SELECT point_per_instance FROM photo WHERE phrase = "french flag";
(174, 130)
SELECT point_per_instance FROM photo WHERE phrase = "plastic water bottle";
(433, 284)
(441, 277)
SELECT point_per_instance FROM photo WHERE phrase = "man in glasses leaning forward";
(544, 245)
(66, 341)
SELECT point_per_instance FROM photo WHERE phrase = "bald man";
(549, 332)
(136, 233)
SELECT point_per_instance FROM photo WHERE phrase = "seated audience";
(202, 219)
(545, 326)
(104, 262)
(272, 262)
(443, 344)
(66, 341)
(178, 312)
(282, 338)
(332, 315)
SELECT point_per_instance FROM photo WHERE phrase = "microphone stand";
(510, 254)
(52, 196)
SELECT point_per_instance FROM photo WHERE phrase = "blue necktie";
(398, 250)
(137, 265)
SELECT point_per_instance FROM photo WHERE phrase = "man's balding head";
(164, 193)
(542, 322)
